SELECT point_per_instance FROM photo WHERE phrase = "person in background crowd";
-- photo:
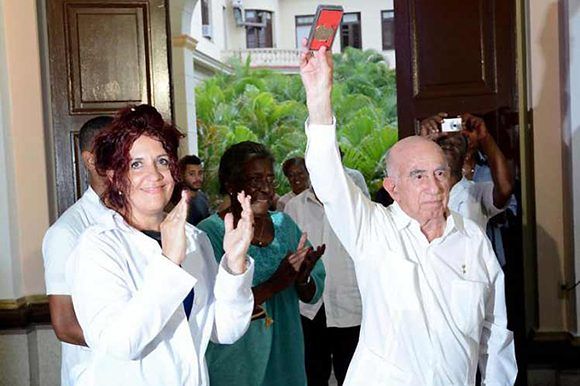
(295, 171)
(271, 353)
(432, 289)
(145, 285)
(331, 325)
(356, 177)
(191, 171)
(476, 168)
(58, 243)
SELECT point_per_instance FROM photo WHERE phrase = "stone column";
(183, 47)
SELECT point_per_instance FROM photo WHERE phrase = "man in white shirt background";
(58, 243)
(331, 326)
(431, 287)
(356, 176)
(295, 171)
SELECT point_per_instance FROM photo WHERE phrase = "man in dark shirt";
(191, 169)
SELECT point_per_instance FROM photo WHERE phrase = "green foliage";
(269, 107)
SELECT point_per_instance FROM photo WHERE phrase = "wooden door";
(459, 56)
(104, 54)
(454, 56)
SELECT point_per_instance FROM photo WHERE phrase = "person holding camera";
(477, 201)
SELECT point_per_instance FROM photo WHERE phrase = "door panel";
(454, 56)
(99, 83)
(103, 55)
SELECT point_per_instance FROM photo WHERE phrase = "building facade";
(271, 31)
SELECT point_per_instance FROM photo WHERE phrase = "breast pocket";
(400, 283)
(468, 300)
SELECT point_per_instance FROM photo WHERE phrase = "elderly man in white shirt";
(332, 325)
(432, 291)
(58, 243)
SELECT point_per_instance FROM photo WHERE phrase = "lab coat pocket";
(468, 306)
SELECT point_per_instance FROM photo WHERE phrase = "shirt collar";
(454, 222)
(91, 195)
(403, 220)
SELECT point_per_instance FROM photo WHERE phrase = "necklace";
(258, 236)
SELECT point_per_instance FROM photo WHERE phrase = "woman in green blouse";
(286, 271)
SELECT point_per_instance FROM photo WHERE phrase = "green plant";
(269, 107)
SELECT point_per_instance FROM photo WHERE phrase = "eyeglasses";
(257, 182)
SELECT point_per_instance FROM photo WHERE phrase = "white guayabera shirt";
(58, 243)
(431, 310)
(341, 296)
(129, 298)
(283, 200)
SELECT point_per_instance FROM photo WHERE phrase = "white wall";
(217, 43)
(550, 159)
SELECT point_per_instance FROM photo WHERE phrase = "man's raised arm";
(348, 211)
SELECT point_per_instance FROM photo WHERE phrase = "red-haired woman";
(146, 287)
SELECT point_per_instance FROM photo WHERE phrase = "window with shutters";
(350, 31)
(388, 29)
(259, 35)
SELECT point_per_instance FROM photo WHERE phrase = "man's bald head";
(418, 179)
(408, 147)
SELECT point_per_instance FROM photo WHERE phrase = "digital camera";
(451, 124)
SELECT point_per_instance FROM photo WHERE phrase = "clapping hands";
(237, 240)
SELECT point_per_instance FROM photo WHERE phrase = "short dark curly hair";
(91, 129)
(189, 160)
(233, 161)
(112, 147)
(296, 161)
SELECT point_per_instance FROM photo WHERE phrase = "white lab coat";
(128, 300)
(432, 311)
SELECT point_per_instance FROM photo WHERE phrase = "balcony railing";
(287, 60)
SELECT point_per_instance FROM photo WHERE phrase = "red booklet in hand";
(326, 23)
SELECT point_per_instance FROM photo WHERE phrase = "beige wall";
(546, 100)
(23, 127)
